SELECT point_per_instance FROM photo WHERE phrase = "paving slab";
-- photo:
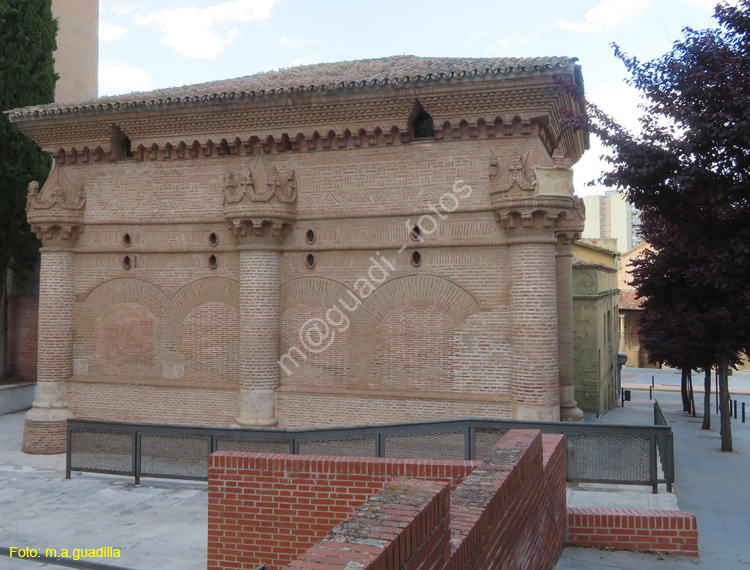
(162, 525)
(710, 484)
(158, 525)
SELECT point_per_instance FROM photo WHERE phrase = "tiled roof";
(628, 301)
(344, 75)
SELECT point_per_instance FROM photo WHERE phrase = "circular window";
(415, 233)
(126, 263)
(310, 236)
(416, 258)
(310, 261)
(126, 241)
(213, 263)
(213, 239)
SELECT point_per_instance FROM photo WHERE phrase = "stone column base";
(539, 413)
(574, 414)
(569, 410)
(257, 409)
(44, 430)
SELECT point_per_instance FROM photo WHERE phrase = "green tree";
(27, 77)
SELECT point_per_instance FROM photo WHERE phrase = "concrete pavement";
(710, 484)
(157, 526)
(162, 525)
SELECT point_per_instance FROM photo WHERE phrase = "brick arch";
(417, 290)
(207, 290)
(127, 290)
(314, 291)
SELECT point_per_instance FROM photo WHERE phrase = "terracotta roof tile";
(394, 70)
(628, 300)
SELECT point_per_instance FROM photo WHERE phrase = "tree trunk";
(707, 399)
(684, 391)
(726, 418)
(3, 320)
(692, 394)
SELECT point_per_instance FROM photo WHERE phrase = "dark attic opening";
(423, 126)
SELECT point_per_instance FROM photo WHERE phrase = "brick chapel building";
(336, 244)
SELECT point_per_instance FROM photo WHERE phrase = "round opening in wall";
(415, 233)
(310, 236)
(213, 239)
(126, 263)
(126, 241)
(310, 261)
(416, 258)
(213, 263)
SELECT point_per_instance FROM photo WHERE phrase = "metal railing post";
(69, 449)
(652, 466)
(137, 456)
(470, 451)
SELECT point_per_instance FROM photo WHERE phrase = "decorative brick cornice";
(486, 107)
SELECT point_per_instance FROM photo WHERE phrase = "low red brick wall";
(23, 336)
(406, 525)
(671, 532)
(509, 513)
(269, 508)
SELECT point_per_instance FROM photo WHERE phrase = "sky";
(146, 45)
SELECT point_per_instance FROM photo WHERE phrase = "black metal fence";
(596, 453)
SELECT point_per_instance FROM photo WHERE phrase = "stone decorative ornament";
(55, 212)
(58, 195)
(260, 182)
(514, 178)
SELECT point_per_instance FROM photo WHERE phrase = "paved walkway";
(162, 526)
(711, 484)
(155, 526)
(668, 380)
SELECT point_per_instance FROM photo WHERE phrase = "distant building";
(611, 216)
(595, 327)
(630, 310)
(77, 55)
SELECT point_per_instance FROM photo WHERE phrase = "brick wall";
(671, 532)
(269, 508)
(406, 525)
(23, 336)
(510, 512)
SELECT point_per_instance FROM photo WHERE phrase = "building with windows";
(596, 327)
(336, 244)
(610, 216)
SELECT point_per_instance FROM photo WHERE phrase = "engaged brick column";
(260, 322)
(44, 429)
(259, 206)
(569, 410)
(533, 320)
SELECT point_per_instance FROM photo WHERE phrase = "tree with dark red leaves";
(688, 171)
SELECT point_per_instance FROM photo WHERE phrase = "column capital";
(259, 232)
(56, 212)
(260, 202)
(56, 234)
(544, 201)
